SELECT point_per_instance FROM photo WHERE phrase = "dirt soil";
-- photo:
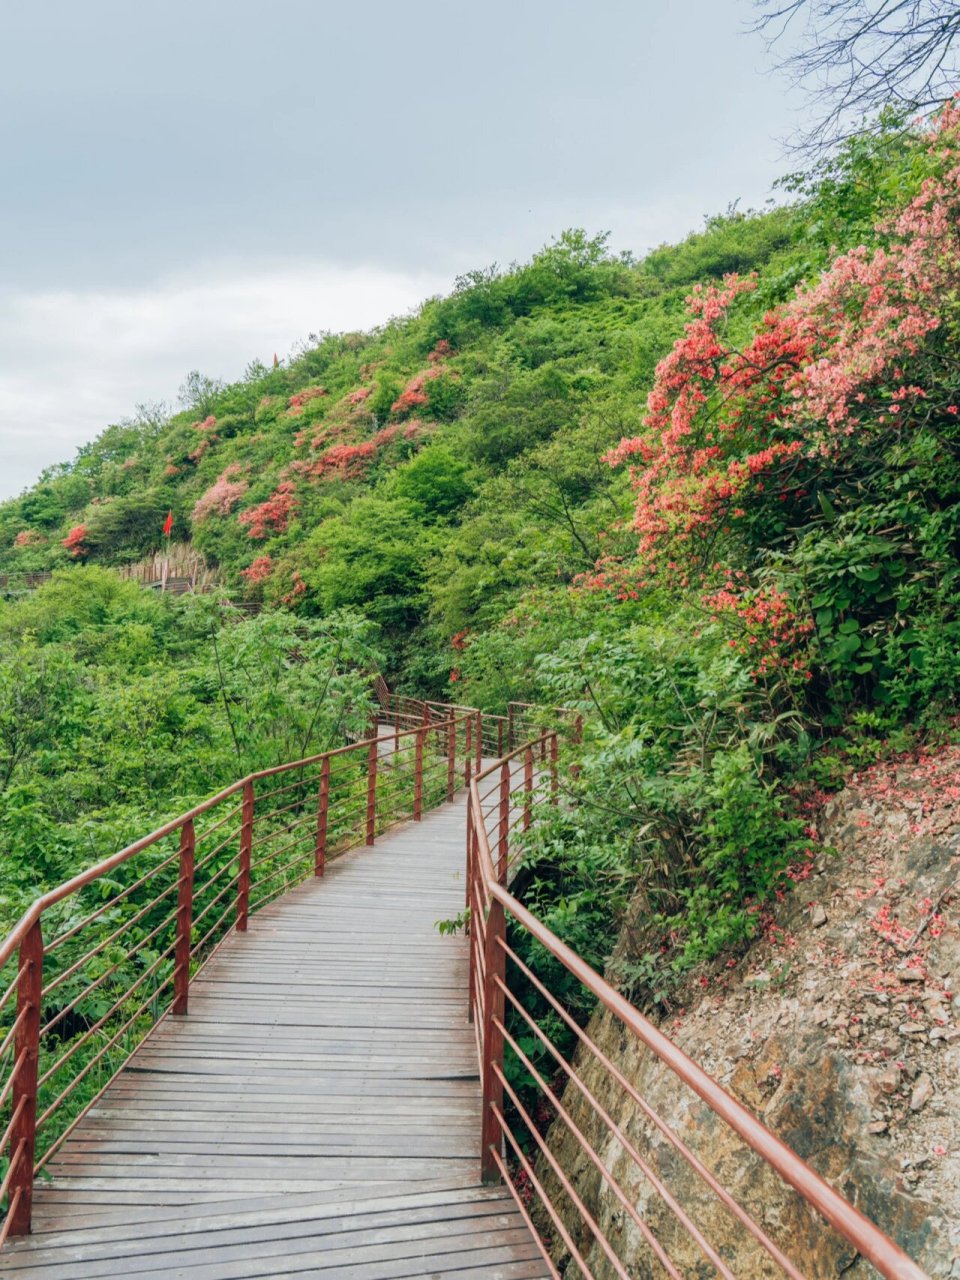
(859, 970)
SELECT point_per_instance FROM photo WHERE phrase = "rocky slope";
(840, 1028)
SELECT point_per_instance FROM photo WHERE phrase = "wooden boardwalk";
(316, 1114)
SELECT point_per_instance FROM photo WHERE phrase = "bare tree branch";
(857, 58)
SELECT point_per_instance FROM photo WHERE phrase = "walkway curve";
(316, 1114)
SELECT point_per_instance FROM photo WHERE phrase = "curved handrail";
(152, 931)
(337, 799)
(490, 902)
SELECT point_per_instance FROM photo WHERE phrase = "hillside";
(707, 497)
(429, 472)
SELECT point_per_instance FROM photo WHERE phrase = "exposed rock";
(828, 1036)
(922, 1092)
(890, 1080)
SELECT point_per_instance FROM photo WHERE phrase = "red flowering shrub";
(196, 454)
(222, 496)
(822, 378)
(259, 571)
(297, 589)
(440, 352)
(385, 436)
(767, 628)
(75, 541)
(358, 396)
(751, 455)
(414, 394)
(271, 516)
(207, 424)
(350, 460)
(296, 402)
(28, 538)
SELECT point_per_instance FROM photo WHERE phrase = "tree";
(198, 392)
(372, 558)
(435, 480)
(861, 58)
(151, 417)
(129, 524)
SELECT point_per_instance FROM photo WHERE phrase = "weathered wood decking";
(316, 1114)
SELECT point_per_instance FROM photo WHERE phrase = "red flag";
(168, 524)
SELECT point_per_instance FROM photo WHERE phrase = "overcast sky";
(198, 183)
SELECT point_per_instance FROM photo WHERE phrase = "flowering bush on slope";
(75, 541)
(271, 516)
(222, 496)
(259, 571)
(415, 394)
(826, 374)
(296, 402)
(839, 414)
(350, 461)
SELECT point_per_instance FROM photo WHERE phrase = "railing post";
(577, 738)
(495, 964)
(527, 787)
(246, 845)
(468, 752)
(323, 808)
(372, 791)
(510, 742)
(503, 836)
(181, 955)
(499, 735)
(418, 777)
(472, 934)
(24, 1101)
(554, 771)
(479, 741)
(451, 758)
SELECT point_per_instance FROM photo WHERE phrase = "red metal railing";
(577, 1190)
(95, 963)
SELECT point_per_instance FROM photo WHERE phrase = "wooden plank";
(317, 1113)
(309, 1234)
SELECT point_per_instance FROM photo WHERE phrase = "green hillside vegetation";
(431, 498)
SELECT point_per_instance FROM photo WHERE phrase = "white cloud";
(74, 361)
